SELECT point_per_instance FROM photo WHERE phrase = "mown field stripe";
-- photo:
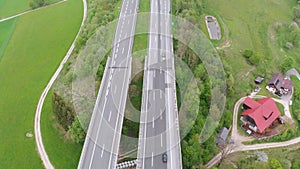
(7, 32)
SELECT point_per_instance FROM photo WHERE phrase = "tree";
(77, 132)
(296, 163)
(225, 151)
(297, 12)
(274, 164)
(247, 53)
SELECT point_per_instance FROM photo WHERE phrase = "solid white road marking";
(109, 117)
(102, 150)
(153, 122)
(152, 160)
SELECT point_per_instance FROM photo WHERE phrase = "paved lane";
(102, 142)
(159, 130)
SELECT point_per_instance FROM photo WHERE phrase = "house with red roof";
(259, 115)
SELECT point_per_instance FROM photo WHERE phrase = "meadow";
(248, 23)
(13, 7)
(39, 42)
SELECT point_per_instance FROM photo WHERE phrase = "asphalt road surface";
(159, 130)
(102, 142)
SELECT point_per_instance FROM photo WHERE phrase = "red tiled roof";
(264, 112)
(251, 103)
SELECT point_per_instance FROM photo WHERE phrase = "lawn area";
(6, 28)
(248, 23)
(39, 42)
(13, 7)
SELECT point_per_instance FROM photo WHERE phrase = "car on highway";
(164, 158)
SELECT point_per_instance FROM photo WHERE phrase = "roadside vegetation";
(29, 60)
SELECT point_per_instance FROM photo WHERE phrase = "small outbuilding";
(259, 80)
(222, 137)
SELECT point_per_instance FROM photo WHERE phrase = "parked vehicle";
(164, 158)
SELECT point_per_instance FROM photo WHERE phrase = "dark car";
(164, 158)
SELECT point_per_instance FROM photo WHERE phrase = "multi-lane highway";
(159, 129)
(103, 137)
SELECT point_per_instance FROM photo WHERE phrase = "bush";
(297, 12)
(64, 111)
(77, 132)
(36, 3)
(287, 64)
(247, 53)
(274, 164)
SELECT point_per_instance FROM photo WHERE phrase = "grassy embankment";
(39, 42)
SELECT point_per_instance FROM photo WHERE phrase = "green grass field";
(39, 42)
(13, 7)
(6, 28)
